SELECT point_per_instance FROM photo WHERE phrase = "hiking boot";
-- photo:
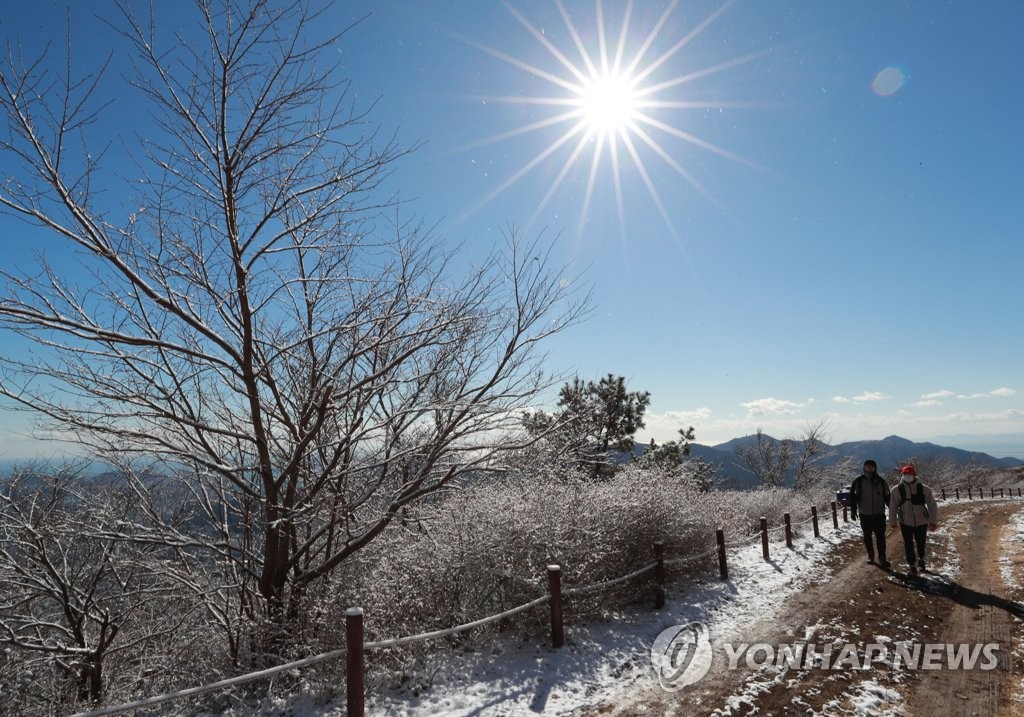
(871, 559)
(884, 564)
(920, 566)
(912, 570)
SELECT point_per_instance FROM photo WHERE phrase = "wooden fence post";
(1000, 492)
(943, 493)
(814, 520)
(846, 515)
(958, 493)
(659, 575)
(354, 662)
(970, 493)
(789, 530)
(835, 517)
(555, 590)
(764, 537)
(723, 569)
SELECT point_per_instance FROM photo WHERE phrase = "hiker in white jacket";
(913, 506)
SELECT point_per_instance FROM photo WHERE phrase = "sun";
(616, 97)
(608, 102)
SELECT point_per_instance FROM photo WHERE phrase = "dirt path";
(981, 612)
(962, 600)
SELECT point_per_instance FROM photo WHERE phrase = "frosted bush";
(485, 548)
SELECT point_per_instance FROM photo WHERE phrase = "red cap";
(908, 471)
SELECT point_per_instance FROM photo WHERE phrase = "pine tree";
(594, 421)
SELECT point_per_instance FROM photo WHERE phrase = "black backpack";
(916, 499)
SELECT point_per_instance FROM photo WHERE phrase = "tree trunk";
(273, 588)
(90, 679)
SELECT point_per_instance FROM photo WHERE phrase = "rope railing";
(214, 686)
(597, 587)
(691, 558)
(805, 521)
(447, 632)
(305, 662)
(744, 542)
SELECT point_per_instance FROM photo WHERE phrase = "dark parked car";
(842, 497)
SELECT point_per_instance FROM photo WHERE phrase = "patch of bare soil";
(862, 604)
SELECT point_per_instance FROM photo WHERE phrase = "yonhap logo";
(681, 655)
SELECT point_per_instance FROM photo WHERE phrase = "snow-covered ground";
(1013, 579)
(1013, 541)
(871, 700)
(950, 567)
(503, 676)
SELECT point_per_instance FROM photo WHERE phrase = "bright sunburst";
(606, 95)
(608, 103)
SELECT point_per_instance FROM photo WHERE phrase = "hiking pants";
(912, 533)
(874, 525)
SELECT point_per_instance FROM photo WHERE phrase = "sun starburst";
(610, 99)
(608, 102)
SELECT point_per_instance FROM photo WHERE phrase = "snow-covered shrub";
(483, 549)
(746, 508)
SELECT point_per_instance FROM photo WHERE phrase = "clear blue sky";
(841, 224)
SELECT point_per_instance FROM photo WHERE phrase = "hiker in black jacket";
(869, 495)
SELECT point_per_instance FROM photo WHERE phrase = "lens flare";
(889, 81)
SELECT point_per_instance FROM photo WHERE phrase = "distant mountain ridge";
(888, 452)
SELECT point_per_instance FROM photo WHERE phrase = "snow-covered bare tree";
(73, 595)
(248, 308)
(767, 458)
(807, 458)
(817, 463)
(942, 470)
